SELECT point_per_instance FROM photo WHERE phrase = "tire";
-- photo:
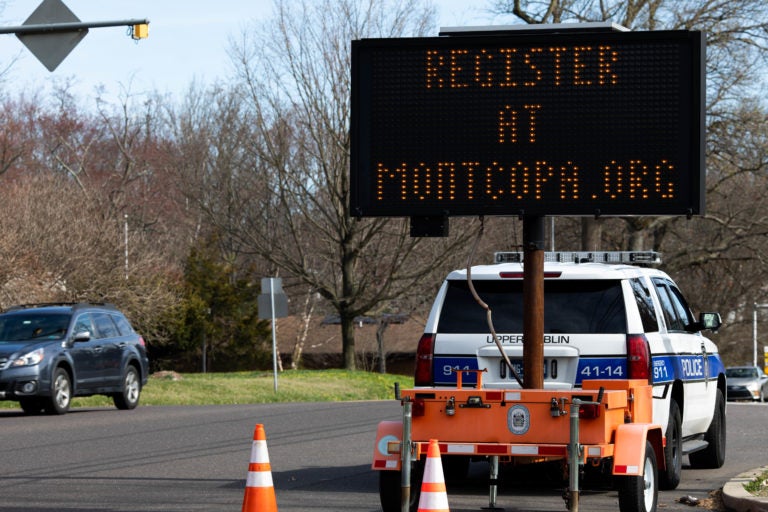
(640, 493)
(32, 405)
(673, 453)
(61, 393)
(390, 488)
(128, 398)
(713, 456)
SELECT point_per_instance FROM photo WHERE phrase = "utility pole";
(755, 307)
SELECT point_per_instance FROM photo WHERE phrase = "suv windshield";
(33, 326)
(574, 307)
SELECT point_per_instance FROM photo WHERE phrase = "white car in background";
(747, 383)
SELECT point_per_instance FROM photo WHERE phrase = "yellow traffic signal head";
(140, 31)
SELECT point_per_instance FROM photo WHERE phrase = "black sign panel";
(605, 123)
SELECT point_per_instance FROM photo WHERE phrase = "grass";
(167, 388)
(758, 486)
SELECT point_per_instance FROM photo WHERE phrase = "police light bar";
(630, 257)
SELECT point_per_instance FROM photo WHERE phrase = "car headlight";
(29, 359)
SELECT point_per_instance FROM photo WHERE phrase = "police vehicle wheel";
(640, 493)
(390, 488)
(673, 452)
(713, 456)
(128, 398)
(61, 393)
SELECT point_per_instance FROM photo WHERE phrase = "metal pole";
(69, 27)
(405, 457)
(205, 349)
(552, 233)
(205, 339)
(755, 307)
(493, 490)
(126, 246)
(274, 334)
(754, 334)
(574, 458)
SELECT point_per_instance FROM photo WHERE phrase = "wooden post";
(533, 302)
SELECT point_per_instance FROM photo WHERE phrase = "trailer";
(606, 424)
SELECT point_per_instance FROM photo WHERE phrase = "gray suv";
(50, 353)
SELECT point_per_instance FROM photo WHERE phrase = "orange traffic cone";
(433, 495)
(259, 491)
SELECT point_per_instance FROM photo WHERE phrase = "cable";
(484, 305)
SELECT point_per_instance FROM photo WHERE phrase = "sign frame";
(367, 131)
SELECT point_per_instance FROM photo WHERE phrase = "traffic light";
(140, 31)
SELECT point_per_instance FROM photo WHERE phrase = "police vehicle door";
(689, 359)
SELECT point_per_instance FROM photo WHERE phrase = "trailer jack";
(576, 453)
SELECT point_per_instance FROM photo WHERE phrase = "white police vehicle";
(605, 317)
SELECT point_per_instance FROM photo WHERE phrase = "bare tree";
(72, 178)
(718, 257)
(296, 72)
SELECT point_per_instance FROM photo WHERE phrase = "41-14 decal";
(601, 368)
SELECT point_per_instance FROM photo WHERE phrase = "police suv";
(606, 316)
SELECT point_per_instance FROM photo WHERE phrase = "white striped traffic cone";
(433, 494)
(259, 490)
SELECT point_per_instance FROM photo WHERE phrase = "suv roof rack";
(74, 305)
(629, 257)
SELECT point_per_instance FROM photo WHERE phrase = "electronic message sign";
(587, 123)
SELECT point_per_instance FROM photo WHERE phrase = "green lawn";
(257, 387)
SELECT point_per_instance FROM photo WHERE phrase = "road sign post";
(273, 304)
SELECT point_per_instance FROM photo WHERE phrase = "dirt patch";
(166, 375)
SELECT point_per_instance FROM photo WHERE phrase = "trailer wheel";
(673, 452)
(713, 456)
(390, 488)
(640, 493)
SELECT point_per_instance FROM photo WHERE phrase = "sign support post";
(272, 304)
(533, 302)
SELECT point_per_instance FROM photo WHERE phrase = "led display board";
(587, 123)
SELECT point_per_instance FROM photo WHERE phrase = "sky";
(187, 42)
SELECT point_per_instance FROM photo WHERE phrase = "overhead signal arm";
(139, 27)
(52, 31)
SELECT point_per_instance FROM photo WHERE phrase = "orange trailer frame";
(605, 419)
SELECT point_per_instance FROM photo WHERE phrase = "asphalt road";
(196, 458)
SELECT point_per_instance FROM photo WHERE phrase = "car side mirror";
(711, 321)
(81, 336)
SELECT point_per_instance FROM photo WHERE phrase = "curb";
(738, 499)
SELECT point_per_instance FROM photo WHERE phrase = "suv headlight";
(29, 359)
